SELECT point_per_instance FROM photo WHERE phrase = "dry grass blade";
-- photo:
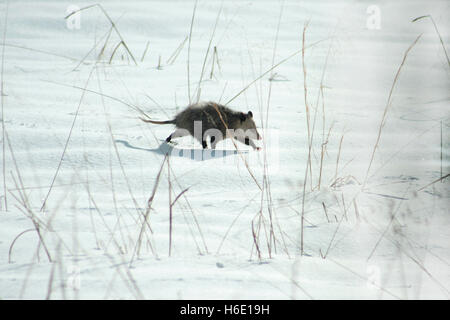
(177, 51)
(121, 43)
(10, 45)
(338, 157)
(305, 88)
(420, 264)
(207, 52)
(364, 278)
(14, 241)
(193, 216)
(356, 210)
(308, 162)
(147, 212)
(127, 278)
(50, 282)
(232, 224)
(110, 21)
(189, 53)
(24, 202)
(383, 235)
(2, 94)
(145, 51)
(388, 104)
(114, 51)
(272, 68)
(266, 177)
(437, 180)
(418, 18)
(325, 210)
(215, 59)
(127, 182)
(441, 151)
(105, 44)
(255, 240)
(171, 204)
(106, 35)
(179, 195)
(67, 141)
(320, 95)
(334, 235)
(135, 108)
(438, 33)
(413, 140)
(322, 154)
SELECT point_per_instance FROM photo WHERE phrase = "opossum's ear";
(242, 116)
(250, 114)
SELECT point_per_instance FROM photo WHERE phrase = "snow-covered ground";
(373, 229)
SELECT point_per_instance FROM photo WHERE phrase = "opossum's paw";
(171, 142)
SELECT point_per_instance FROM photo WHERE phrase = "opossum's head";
(248, 125)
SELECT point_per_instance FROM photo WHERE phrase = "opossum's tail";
(158, 122)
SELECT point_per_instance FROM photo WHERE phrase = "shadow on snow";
(193, 154)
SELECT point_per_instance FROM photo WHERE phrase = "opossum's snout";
(258, 136)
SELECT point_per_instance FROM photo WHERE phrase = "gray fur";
(214, 120)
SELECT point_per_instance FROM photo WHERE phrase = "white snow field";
(91, 207)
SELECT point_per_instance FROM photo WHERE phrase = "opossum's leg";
(201, 140)
(247, 141)
(177, 134)
(213, 142)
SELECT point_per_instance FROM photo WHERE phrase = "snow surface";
(387, 238)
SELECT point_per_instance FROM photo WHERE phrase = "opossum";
(209, 119)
